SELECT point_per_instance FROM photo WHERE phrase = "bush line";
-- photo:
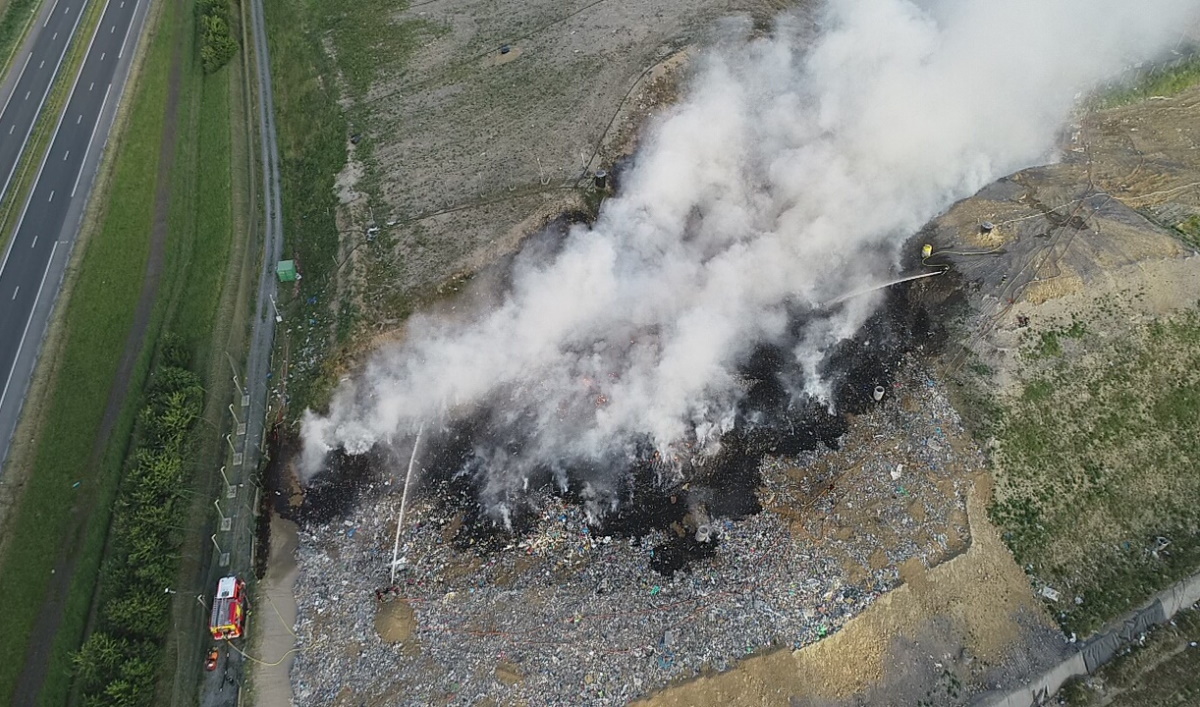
(117, 665)
(217, 44)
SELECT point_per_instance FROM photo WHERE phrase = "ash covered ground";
(809, 516)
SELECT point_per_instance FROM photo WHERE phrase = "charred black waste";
(771, 419)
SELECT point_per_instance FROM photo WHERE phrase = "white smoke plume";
(789, 176)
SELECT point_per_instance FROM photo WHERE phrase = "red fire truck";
(229, 609)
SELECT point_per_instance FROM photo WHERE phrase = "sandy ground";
(275, 616)
(964, 620)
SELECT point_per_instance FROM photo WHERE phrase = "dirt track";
(51, 614)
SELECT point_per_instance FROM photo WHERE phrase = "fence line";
(1100, 648)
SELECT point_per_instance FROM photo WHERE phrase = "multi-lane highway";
(39, 67)
(33, 262)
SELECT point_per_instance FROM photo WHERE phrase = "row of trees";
(117, 664)
(217, 44)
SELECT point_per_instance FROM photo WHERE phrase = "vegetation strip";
(1161, 81)
(96, 320)
(1163, 669)
(118, 663)
(14, 24)
(211, 310)
(312, 142)
(1097, 494)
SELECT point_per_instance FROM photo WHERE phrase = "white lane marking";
(54, 37)
(29, 321)
(42, 64)
(125, 41)
(66, 155)
(92, 139)
(112, 30)
(18, 83)
(67, 11)
(102, 55)
(11, 128)
(93, 85)
(27, 94)
(34, 244)
(16, 291)
(51, 195)
(79, 119)
(51, 15)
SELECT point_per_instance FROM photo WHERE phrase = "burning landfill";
(644, 387)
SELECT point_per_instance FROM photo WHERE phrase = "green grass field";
(212, 217)
(16, 17)
(312, 145)
(1096, 462)
(313, 129)
(1162, 81)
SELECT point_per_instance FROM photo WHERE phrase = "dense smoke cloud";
(788, 177)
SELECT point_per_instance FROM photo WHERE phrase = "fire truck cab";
(228, 619)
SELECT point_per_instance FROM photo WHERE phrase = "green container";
(286, 270)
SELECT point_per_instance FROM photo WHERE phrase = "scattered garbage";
(581, 613)
(1049, 593)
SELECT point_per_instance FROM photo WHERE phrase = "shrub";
(116, 664)
(217, 45)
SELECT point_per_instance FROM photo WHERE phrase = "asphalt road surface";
(35, 259)
(39, 67)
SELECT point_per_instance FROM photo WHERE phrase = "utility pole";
(226, 522)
